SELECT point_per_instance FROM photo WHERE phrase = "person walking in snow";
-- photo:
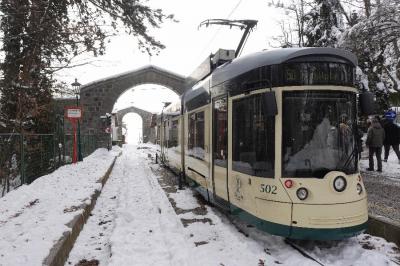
(392, 138)
(375, 138)
(359, 141)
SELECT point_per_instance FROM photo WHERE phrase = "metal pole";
(23, 177)
(74, 148)
(80, 157)
(41, 153)
(180, 181)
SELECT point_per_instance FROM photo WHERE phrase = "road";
(383, 195)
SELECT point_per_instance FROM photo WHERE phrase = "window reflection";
(253, 137)
(173, 134)
(318, 133)
(220, 132)
(196, 135)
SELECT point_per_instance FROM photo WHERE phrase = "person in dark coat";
(392, 138)
(359, 141)
(375, 138)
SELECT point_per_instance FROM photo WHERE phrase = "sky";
(186, 46)
(134, 128)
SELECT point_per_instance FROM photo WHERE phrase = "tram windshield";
(318, 133)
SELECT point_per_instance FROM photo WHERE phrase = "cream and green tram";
(271, 137)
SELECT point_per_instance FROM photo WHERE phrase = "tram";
(271, 138)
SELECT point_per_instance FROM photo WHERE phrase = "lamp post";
(77, 90)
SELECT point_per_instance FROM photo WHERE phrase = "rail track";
(245, 229)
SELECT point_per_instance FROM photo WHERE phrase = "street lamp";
(77, 90)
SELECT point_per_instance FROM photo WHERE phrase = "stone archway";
(99, 97)
(146, 119)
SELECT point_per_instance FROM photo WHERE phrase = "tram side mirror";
(367, 103)
(271, 108)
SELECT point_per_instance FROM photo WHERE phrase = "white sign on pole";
(74, 113)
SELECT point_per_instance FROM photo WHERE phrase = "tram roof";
(246, 63)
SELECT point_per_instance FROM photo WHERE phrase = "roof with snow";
(129, 73)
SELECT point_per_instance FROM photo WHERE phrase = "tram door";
(220, 151)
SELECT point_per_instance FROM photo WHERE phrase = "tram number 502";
(268, 189)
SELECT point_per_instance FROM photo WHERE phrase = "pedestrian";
(359, 141)
(392, 138)
(375, 138)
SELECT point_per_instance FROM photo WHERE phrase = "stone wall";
(146, 120)
(99, 97)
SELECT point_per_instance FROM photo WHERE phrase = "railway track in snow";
(305, 249)
(246, 229)
(243, 228)
(302, 251)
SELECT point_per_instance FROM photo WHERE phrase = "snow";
(380, 86)
(134, 222)
(362, 78)
(147, 231)
(197, 152)
(144, 229)
(390, 169)
(34, 217)
(93, 241)
(129, 73)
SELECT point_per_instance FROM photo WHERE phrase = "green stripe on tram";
(299, 232)
(290, 231)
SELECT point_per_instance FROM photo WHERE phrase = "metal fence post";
(54, 151)
(23, 175)
(41, 153)
(63, 148)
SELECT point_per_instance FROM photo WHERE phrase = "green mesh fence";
(11, 157)
(23, 158)
(39, 156)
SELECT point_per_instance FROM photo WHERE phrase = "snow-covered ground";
(390, 169)
(142, 219)
(34, 217)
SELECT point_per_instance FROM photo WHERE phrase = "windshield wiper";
(350, 159)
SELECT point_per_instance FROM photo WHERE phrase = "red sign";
(73, 114)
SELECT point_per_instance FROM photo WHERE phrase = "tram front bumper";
(329, 221)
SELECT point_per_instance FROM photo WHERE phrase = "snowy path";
(146, 229)
(94, 240)
(34, 217)
(137, 221)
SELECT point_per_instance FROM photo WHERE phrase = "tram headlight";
(302, 193)
(339, 183)
(359, 188)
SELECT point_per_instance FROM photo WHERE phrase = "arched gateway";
(99, 97)
(146, 120)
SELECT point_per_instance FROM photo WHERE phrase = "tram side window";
(196, 135)
(220, 133)
(173, 134)
(253, 137)
(165, 134)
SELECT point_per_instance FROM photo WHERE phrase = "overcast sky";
(186, 45)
